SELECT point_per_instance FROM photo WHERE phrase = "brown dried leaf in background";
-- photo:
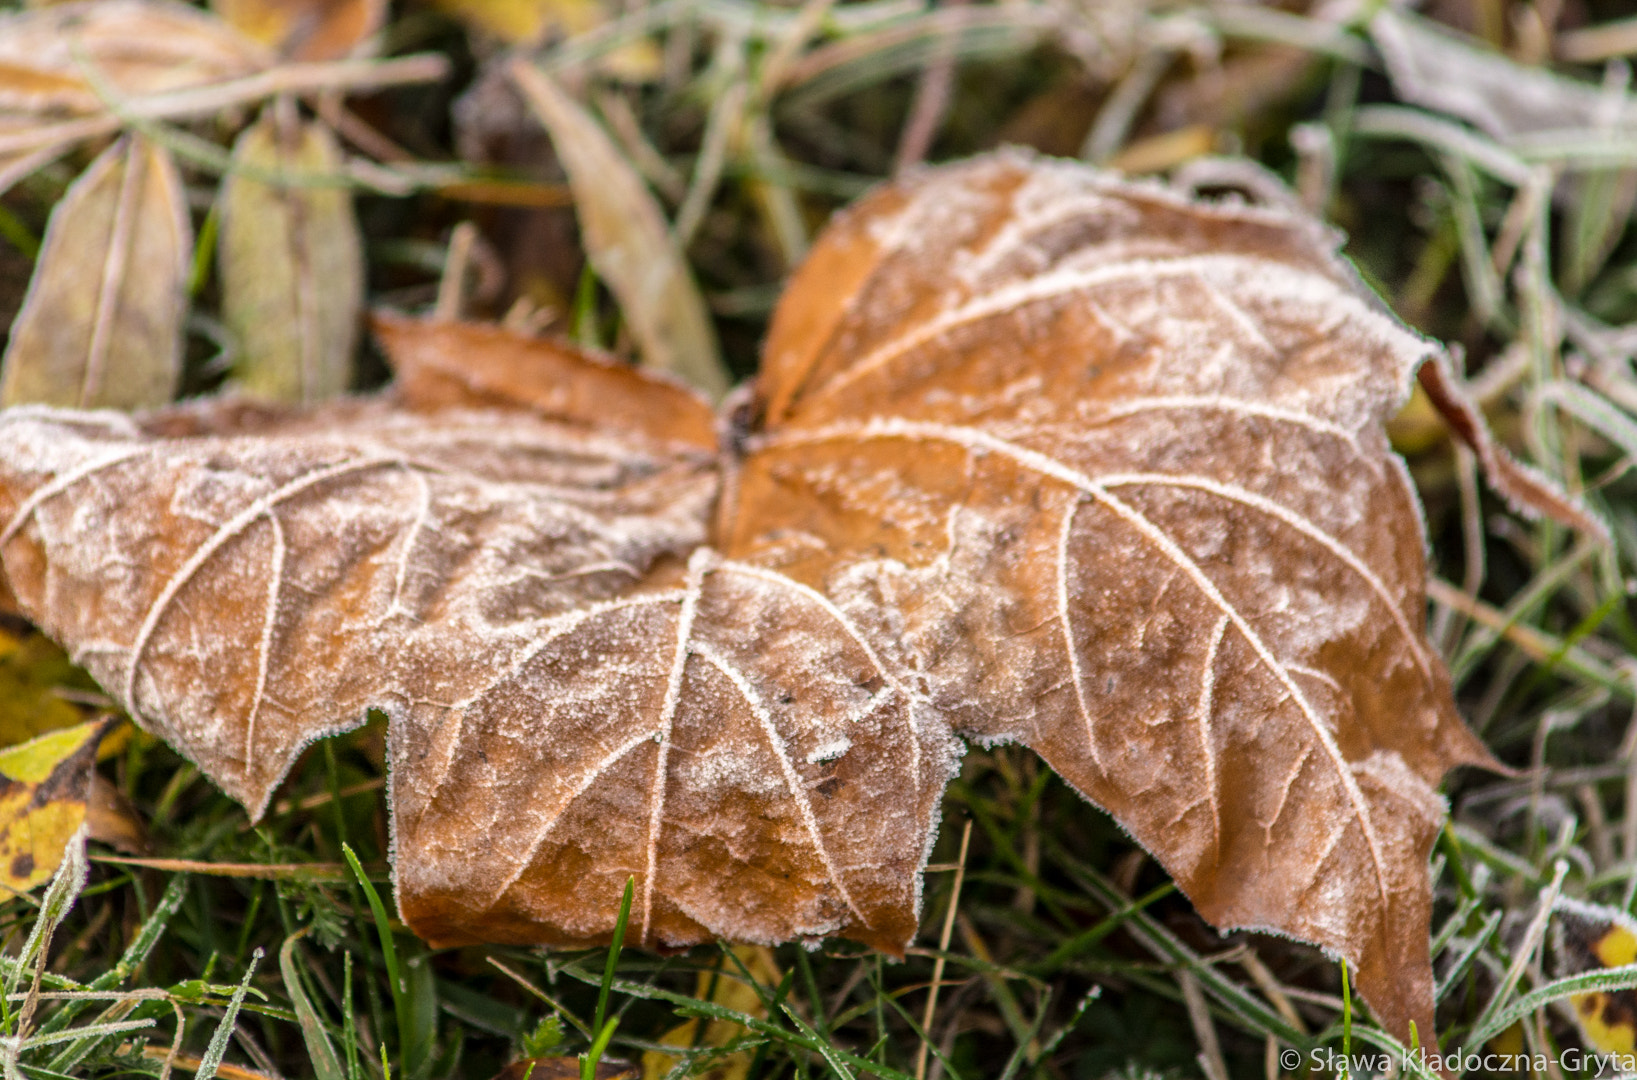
(628, 241)
(1039, 455)
(110, 818)
(101, 325)
(1525, 490)
(292, 261)
(446, 365)
(1519, 105)
(304, 30)
(58, 57)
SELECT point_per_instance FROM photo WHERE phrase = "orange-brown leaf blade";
(1042, 456)
(1106, 469)
(472, 365)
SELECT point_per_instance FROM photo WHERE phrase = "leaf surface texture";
(1036, 455)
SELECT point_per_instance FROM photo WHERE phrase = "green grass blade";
(320, 1051)
(389, 949)
(588, 1063)
(218, 1040)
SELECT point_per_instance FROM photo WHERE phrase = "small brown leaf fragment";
(111, 819)
(1527, 491)
(56, 58)
(628, 242)
(442, 365)
(291, 261)
(101, 326)
(305, 30)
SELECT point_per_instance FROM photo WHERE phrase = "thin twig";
(452, 286)
(353, 75)
(1199, 1015)
(931, 104)
(943, 947)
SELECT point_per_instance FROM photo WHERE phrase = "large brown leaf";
(1036, 455)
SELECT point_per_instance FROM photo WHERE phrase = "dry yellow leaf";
(526, 22)
(43, 785)
(291, 261)
(32, 668)
(628, 241)
(531, 22)
(732, 993)
(304, 30)
(101, 326)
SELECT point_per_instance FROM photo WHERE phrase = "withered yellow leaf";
(532, 22)
(32, 670)
(101, 325)
(292, 262)
(43, 787)
(726, 988)
(527, 22)
(1588, 937)
(304, 30)
(628, 242)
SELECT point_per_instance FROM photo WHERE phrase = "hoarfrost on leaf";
(1038, 455)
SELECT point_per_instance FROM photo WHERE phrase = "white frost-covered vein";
(1019, 234)
(234, 527)
(852, 631)
(1069, 645)
(61, 484)
(1275, 280)
(412, 535)
(1303, 525)
(792, 779)
(1237, 406)
(580, 787)
(269, 625)
(697, 565)
(1202, 717)
(1239, 317)
(1284, 794)
(552, 630)
(976, 441)
(558, 625)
